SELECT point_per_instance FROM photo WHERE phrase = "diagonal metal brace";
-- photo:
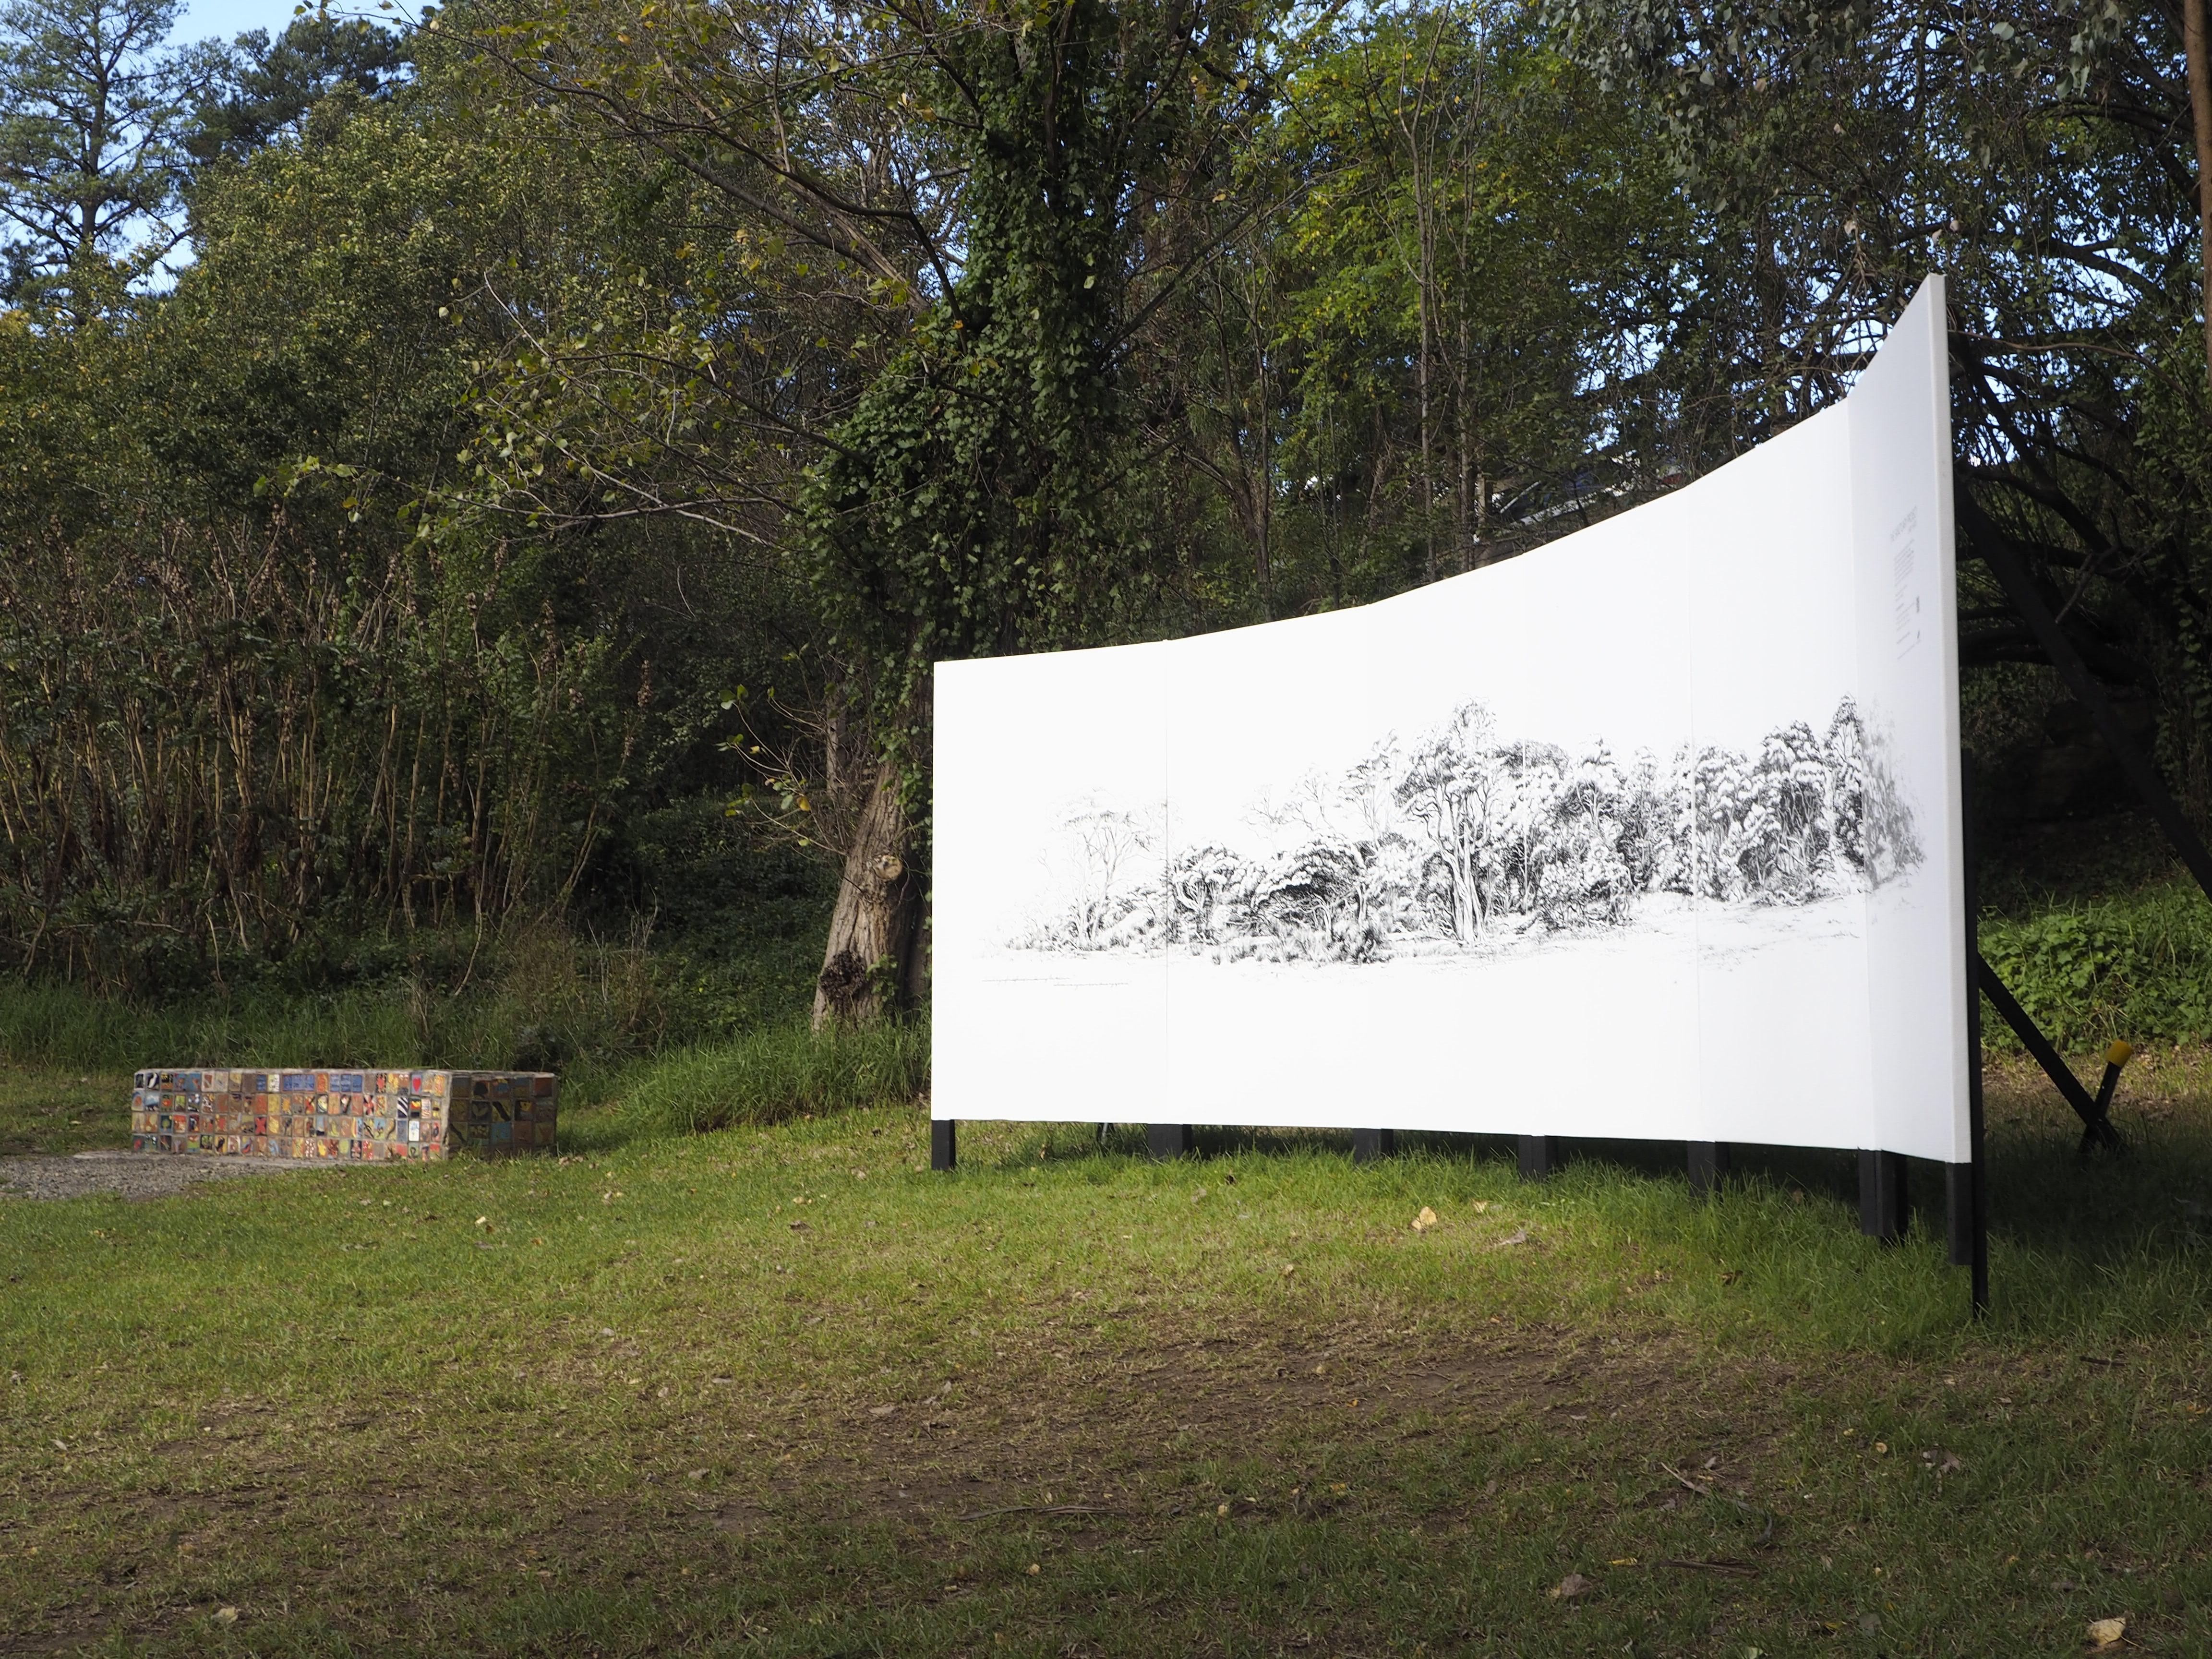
(2097, 1128)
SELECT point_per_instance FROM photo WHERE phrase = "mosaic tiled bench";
(375, 1116)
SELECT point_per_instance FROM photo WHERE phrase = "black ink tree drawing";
(1467, 842)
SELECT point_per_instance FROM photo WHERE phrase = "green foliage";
(966, 508)
(2136, 966)
(210, 744)
(780, 1072)
(739, 923)
(244, 703)
(1424, 357)
(268, 86)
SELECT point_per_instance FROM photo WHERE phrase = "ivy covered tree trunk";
(971, 505)
(875, 961)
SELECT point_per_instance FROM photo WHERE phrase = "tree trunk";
(874, 962)
(2194, 48)
(1264, 503)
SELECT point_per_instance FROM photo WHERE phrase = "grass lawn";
(783, 1392)
(62, 1111)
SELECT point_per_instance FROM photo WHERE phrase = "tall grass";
(209, 733)
(540, 1000)
(779, 1072)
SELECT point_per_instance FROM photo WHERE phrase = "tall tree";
(2042, 158)
(92, 128)
(973, 503)
(994, 193)
(1419, 351)
(2197, 48)
(260, 88)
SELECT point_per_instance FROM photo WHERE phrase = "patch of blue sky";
(226, 20)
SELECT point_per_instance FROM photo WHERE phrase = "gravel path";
(128, 1174)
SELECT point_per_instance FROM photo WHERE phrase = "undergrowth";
(779, 1072)
(2136, 965)
(534, 999)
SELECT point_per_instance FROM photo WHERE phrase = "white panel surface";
(1649, 833)
(1782, 998)
(1251, 751)
(1908, 640)
(1589, 1031)
(1051, 776)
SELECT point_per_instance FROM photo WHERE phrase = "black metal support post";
(1368, 1144)
(1540, 1156)
(944, 1144)
(1967, 1197)
(1709, 1166)
(1166, 1140)
(1885, 1207)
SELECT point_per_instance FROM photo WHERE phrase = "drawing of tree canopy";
(1465, 841)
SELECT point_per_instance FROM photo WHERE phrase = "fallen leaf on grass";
(1572, 1585)
(2106, 1632)
(1482, 1206)
(1290, 1268)
(881, 1411)
(1426, 1219)
(1519, 1237)
(226, 1615)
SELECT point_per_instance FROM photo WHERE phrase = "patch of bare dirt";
(1095, 1438)
(129, 1174)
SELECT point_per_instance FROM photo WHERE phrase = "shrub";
(2137, 966)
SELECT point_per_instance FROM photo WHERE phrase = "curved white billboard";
(1652, 833)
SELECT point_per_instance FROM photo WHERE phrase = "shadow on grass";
(2111, 1244)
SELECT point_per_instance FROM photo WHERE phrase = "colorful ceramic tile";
(365, 1116)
